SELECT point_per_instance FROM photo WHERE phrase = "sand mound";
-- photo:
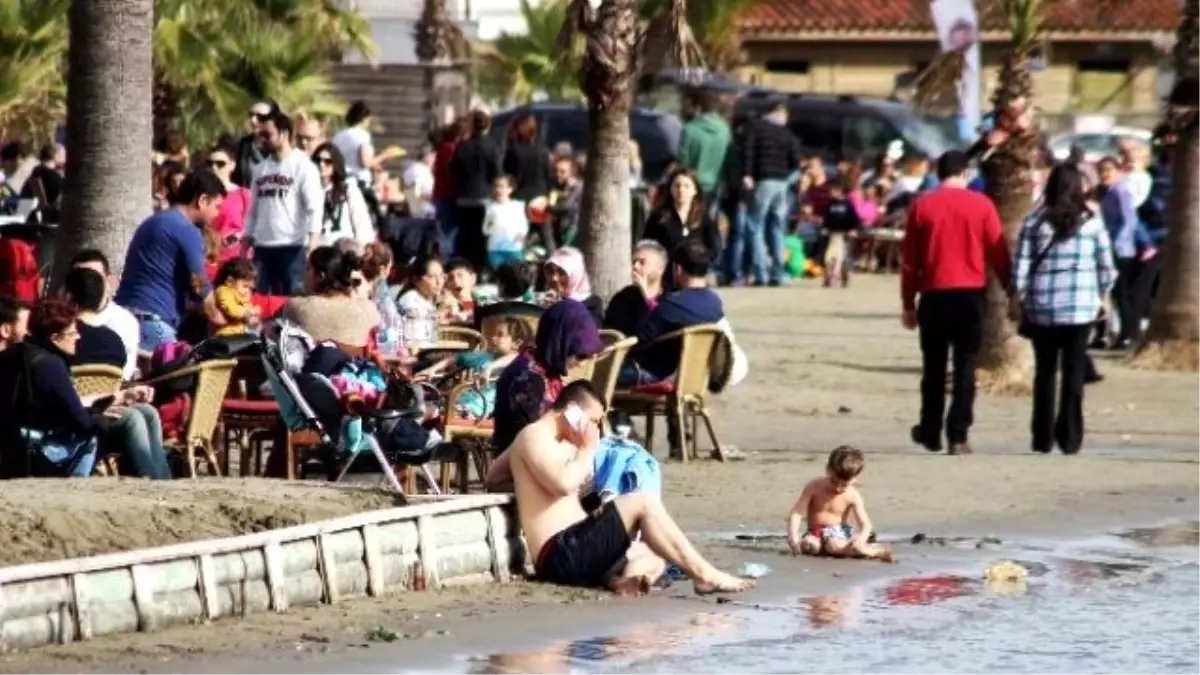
(54, 518)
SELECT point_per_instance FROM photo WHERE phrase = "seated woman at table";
(566, 335)
(420, 298)
(334, 311)
(567, 277)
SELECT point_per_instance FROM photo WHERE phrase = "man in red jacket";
(953, 235)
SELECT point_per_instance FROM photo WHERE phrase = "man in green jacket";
(703, 145)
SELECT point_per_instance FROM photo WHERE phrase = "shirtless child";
(551, 462)
(828, 504)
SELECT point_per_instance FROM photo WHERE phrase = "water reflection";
(925, 590)
(641, 642)
(833, 611)
(1167, 536)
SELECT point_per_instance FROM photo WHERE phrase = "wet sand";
(828, 367)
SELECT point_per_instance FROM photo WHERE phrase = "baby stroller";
(309, 402)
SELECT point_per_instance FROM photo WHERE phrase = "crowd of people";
(283, 223)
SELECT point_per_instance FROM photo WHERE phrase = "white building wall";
(392, 23)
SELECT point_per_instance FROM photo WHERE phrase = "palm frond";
(668, 42)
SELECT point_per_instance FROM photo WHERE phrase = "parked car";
(1096, 145)
(656, 132)
(840, 126)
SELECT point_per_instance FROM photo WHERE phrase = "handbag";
(1025, 329)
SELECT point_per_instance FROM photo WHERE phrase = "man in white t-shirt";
(287, 203)
(111, 315)
(356, 146)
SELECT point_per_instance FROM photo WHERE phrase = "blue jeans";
(153, 331)
(765, 226)
(137, 436)
(447, 215)
(280, 269)
(735, 251)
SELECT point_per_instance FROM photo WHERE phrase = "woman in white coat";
(346, 212)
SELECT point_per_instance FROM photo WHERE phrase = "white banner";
(957, 25)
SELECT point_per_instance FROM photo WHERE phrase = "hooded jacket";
(703, 145)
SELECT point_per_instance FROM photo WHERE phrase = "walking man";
(953, 235)
(770, 157)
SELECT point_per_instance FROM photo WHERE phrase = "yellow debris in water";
(1005, 571)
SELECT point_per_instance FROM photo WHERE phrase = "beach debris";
(310, 637)
(843, 410)
(988, 541)
(922, 538)
(1005, 570)
(382, 634)
(753, 570)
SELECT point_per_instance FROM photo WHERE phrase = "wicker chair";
(208, 395)
(610, 337)
(97, 380)
(607, 366)
(684, 398)
(471, 337)
(458, 427)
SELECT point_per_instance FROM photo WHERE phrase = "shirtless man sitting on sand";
(550, 463)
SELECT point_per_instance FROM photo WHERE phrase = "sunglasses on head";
(216, 163)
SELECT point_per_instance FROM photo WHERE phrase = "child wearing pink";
(230, 222)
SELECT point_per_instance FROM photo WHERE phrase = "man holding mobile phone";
(551, 463)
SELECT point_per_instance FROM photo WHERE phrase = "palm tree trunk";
(109, 126)
(605, 215)
(1174, 335)
(1005, 364)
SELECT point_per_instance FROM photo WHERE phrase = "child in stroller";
(351, 405)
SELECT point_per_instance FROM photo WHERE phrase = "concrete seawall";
(432, 543)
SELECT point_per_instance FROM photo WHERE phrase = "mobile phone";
(575, 417)
(102, 404)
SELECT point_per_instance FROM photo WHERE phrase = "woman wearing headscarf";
(566, 335)
(567, 277)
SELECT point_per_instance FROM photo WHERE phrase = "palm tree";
(616, 46)
(515, 68)
(1005, 362)
(109, 83)
(1174, 333)
(716, 25)
(440, 42)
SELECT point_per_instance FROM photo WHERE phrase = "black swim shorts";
(587, 553)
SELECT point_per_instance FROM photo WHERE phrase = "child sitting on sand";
(827, 504)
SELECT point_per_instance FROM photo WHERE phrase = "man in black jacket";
(770, 156)
(475, 166)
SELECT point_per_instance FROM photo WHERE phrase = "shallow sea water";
(1120, 603)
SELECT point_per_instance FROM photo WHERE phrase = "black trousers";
(951, 325)
(1144, 281)
(1052, 345)
(472, 243)
(1125, 299)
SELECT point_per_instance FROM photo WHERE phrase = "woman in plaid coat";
(1064, 272)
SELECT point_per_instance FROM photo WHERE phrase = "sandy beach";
(828, 367)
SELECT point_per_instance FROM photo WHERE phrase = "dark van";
(656, 133)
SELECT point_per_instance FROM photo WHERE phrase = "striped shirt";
(1074, 274)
